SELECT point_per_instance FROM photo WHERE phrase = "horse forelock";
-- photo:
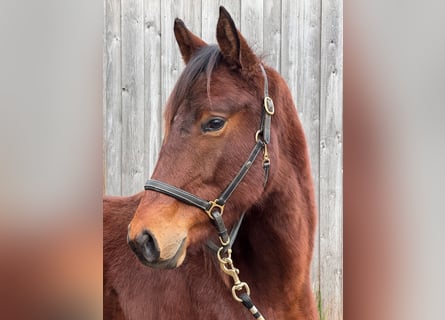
(203, 61)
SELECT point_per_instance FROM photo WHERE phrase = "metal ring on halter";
(213, 205)
(226, 259)
(224, 243)
(257, 135)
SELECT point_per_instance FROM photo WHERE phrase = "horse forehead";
(224, 81)
(229, 94)
(221, 93)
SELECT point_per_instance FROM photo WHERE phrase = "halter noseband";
(214, 209)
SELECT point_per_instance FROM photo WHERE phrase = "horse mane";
(205, 60)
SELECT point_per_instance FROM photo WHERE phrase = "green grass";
(319, 306)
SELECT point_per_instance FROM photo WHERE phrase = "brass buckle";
(269, 106)
(213, 206)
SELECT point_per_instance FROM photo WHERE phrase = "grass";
(319, 306)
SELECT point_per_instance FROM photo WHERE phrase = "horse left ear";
(187, 41)
(234, 47)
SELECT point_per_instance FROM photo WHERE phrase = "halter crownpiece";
(214, 209)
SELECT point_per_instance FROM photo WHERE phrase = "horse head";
(211, 119)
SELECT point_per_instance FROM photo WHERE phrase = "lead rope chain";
(224, 255)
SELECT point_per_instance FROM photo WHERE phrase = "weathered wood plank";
(272, 33)
(251, 24)
(112, 98)
(308, 95)
(133, 161)
(308, 76)
(152, 76)
(331, 170)
(289, 43)
(192, 13)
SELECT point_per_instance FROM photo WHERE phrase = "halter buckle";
(214, 205)
(269, 106)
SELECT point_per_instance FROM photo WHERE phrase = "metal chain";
(226, 263)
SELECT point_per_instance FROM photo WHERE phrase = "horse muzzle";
(149, 252)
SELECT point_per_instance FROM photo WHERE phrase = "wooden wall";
(302, 39)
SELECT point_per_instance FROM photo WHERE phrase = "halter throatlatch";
(214, 209)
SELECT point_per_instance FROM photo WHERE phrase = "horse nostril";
(150, 246)
(145, 245)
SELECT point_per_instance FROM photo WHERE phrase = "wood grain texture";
(308, 95)
(112, 98)
(272, 34)
(251, 24)
(331, 167)
(152, 84)
(301, 39)
(133, 161)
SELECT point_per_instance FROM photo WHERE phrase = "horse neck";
(277, 235)
(277, 231)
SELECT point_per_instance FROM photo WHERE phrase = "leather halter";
(214, 209)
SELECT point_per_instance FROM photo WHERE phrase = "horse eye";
(213, 124)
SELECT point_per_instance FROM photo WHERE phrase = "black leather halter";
(215, 208)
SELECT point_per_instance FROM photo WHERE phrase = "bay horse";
(231, 134)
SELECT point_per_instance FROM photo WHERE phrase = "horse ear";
(187, 41)
(234, 47)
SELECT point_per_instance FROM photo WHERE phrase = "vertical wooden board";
(133, 162)
(272, 33)
(192, 13)
(251, 25)
(289, 42)
(331, 167)
(308, 77)
(210, 14)
(308, 97)
(112, 98)
(152, 83)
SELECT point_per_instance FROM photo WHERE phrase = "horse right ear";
(234, 47)
(187, 41)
